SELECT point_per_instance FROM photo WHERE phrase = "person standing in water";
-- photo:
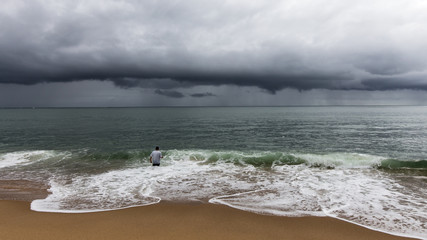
(155, 157)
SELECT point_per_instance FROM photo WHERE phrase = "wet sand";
(172, 221)
(22, 190)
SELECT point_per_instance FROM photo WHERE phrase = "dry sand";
(172, 221)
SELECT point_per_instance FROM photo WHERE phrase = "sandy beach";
(172, 221)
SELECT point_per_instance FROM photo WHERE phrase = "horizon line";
(216, 106)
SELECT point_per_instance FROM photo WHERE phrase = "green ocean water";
(393, 132)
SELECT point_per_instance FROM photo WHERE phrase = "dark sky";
(145, 53)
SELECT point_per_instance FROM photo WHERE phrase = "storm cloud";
(273, 45)
(200, 95)
(170, 93)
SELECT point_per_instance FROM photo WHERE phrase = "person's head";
(157, 148)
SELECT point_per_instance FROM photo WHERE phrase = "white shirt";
(156, 155)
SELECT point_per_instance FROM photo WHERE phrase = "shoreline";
(170, 220)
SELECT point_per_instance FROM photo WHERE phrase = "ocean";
(362, 164)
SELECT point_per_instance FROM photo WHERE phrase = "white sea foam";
(25, 157)
(176, 179)
(355, 193)
(343, 160)
(108, 191)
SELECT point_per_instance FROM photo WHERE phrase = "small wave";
(399, 164)
(272, 159)
(27, 157)
(95, 161)
(343, 160)
(256, 159)
(114, 156)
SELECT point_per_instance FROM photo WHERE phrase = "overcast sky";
(196, 52)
